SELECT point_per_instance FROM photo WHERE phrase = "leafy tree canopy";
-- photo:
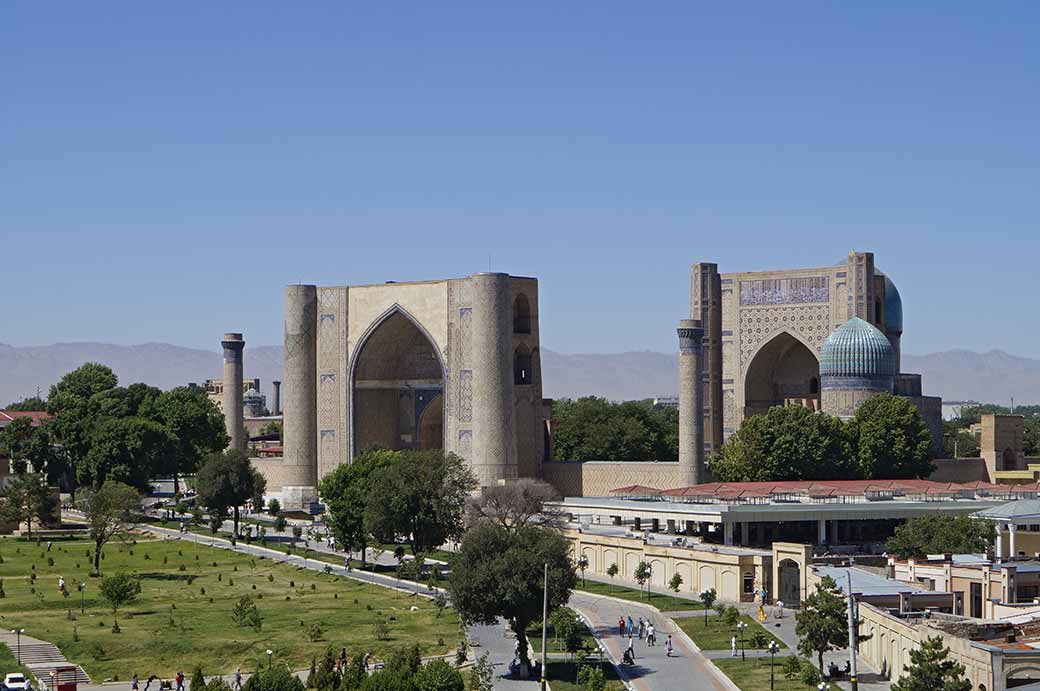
(930, 669)
(888, 439)
(822, 624)
(786, 443)
(594, 429)
(109, 512)
(419, 496)
(499, 573)
(195, 422)
(941, 534)
(31, 404)
(130, 450)
(227, 481)
(26, 499)
(345, 492)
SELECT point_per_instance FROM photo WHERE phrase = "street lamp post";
(822, 686)
(773, 647)
(18, 633)
(740, 627)
(270, 653)
(583, 563)
(649, 580)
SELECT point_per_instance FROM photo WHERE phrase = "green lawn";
(534, 635)
(716, 636)
(753, 675)
(9, 664)
(665, 603)
(561, 676)
(177, 624)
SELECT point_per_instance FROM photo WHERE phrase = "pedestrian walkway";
(40, 657)
(653, 669)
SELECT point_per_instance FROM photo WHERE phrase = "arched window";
(522, 366)
(521, 315)
(814, 385)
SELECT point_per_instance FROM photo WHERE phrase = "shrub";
(382, 632)
(314, 633)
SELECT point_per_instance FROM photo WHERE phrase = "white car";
(16, 682)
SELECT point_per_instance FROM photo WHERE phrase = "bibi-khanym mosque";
(454, 364)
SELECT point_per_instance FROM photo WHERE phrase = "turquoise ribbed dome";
(858, 349)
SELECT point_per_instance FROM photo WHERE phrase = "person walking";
(180, 681)
(150, 680)
(631, 648)
(621, 627)
(733, 646)
(642, 628)
(668, 646)
(133, 683)
(631, 624)
(238, 679)
(779, 609)
(651, 635)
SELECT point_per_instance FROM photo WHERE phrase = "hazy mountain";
(956, 374)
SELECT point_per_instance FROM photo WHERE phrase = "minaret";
(233, 346)
(276, 405)
(691, 403)
(300, 417)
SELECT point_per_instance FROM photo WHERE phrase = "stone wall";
(597, 479)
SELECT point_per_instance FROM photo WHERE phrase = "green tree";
(245, 613)
(128, 450)
(642, 575)
(708, 596)
(675, 583)
(83, 382)
(930, 669)
(958, 443)
(887, 439)
(786, 443)
(481, 675)
(15, 439)
(109, 513)
(591, 678)
(1031, 436)
(594, 429)
(119, 590)
(273, 678)
(27, 499)
(822, 624)
(499, 573)
(438, 675)
(272, 427)
(227, 481)
(939, 534)
(613, 570)
(124, 402)
(198, 681)
(196, 424)
(419, 496)
(345, 492)
(274, 507)
(31, 405)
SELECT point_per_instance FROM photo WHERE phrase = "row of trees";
(594, 429)
(887, 438)
(102, 431)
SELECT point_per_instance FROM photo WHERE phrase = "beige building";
(764, 333)
(448, 364)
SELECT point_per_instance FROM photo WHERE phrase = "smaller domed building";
(857, 361)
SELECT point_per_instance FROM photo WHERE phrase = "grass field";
(753, 675)
(716, 636)
(665, 603)
(183, 615)
(561, 676)
(534, 635)
(8, 663)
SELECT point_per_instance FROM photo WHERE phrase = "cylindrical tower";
(276, 404)
(300, 421)
(493, 454)
(691, 403)
(233, 346)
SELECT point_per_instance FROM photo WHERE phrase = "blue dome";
(857, 350)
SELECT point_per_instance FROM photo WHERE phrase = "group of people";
(643, 630)
(178, 681)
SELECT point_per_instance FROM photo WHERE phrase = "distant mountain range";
(955, 374)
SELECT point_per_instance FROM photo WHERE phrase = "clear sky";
(166, 168)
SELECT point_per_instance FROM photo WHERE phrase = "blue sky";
(166, 169)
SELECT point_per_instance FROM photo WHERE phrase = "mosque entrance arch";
(783, 369)
(790, 583)
(397, 385)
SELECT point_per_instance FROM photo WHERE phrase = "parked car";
(16, 681)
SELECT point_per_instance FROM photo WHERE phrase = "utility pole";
(545, 620)
(853, 635)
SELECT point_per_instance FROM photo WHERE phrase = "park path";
(39, 656)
